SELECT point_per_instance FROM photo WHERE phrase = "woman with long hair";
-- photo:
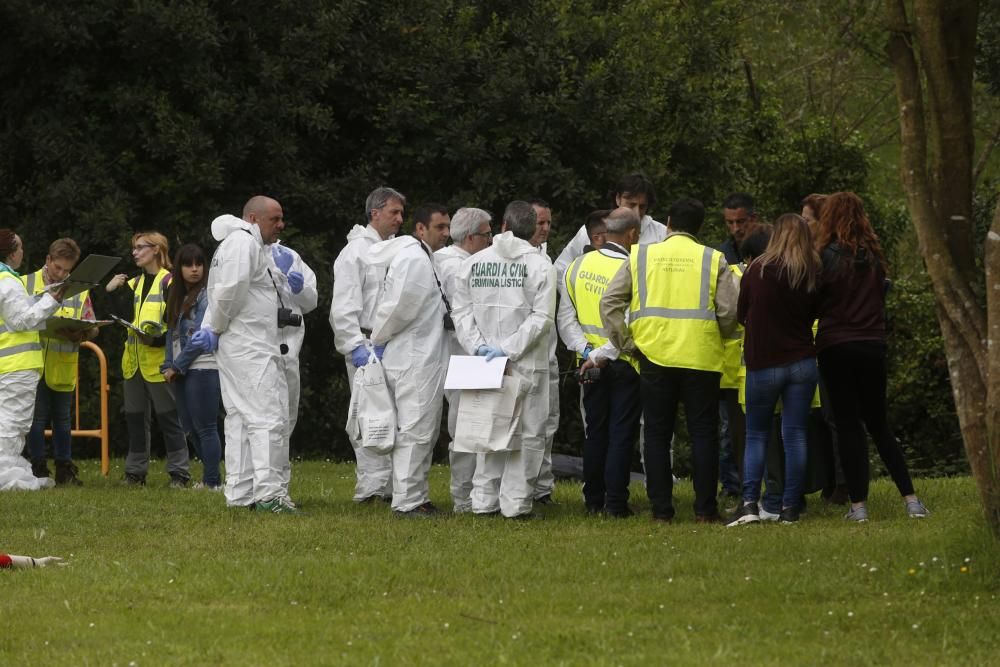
(141, 361)
(852, 348)
(193, 374)
(777, 306)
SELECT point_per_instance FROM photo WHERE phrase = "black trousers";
(855, 376)
(613, 411)
(662, 389)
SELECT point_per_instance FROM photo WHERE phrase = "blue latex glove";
(359, 356)
(490, 352)
(586, 351)
(296, 282)
(205, 339)
(379, 351)
(283, 258)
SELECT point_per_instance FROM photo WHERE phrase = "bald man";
(241, 326)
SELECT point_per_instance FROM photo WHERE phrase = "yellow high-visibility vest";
(19, 350)
(147, 315)
(60, 356)
(732, 348)
(586, 279)
(672, 314)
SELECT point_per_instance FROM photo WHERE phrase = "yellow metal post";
(102, 432)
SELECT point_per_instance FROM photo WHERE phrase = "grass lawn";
(174, 577)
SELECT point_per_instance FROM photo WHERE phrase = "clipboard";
(88, 274)
(128, 325)
(54, 324)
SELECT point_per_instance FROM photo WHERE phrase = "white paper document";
(475, 372)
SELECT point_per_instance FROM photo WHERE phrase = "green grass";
(173, 577)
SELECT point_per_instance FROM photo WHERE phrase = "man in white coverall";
(504, 307)
(546, 483)
(242, 323)
(633, 191)
(409, 323)
(470, 233)
(298, 293)
(356, 288)
(21, 364)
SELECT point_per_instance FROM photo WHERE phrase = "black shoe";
(527, 516)
(745, 513)
(789, 515)
(546, 500)
(620, 514)
(839, 496)
(178, 482)
(66, 473)
(372, 498)
(660, 517)
(425, 511)
(134, 480)
(40, 469)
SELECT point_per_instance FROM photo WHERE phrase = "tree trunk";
(936, 156)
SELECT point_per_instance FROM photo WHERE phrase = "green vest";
(19, 350)
(732, 348)
(586, 279)
(672, 314)
(147, 315)
(61, 355)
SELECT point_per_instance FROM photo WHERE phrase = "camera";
(449, 325)
(286, 318)
(590, 375)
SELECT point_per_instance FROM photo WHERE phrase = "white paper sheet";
(474, 372)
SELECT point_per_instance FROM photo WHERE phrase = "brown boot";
(66, 473)
(39, 468)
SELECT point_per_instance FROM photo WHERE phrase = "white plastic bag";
(371, 417)
(489, 420)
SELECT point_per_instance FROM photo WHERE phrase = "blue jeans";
(794, 384)
(54, 406)
(198, 398)
(613, 410)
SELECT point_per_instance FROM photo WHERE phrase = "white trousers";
(293, 383)
(462, 464)
(17, 408)
(506, 481)
(418, 397)
(256, 401)
(546, 483)
(373, 471)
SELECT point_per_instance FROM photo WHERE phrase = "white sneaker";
(768, 516)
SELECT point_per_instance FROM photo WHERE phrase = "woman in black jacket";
(851, 348)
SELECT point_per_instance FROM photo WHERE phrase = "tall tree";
(932, 48)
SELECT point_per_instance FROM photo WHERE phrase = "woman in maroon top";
(777, 306)
(852, 351)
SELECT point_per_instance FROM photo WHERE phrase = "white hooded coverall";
(19, 312)
(462, 464)
(650, 231)
(243, 310)
(506, 298)
(409, 321)
(357, 286)
(300, 304)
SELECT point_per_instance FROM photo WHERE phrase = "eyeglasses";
(142, 246)
(484, 234)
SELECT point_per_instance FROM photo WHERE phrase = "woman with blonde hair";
(852, 348)
(141, 361)
(777, 306)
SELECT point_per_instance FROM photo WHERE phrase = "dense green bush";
(162, 114)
